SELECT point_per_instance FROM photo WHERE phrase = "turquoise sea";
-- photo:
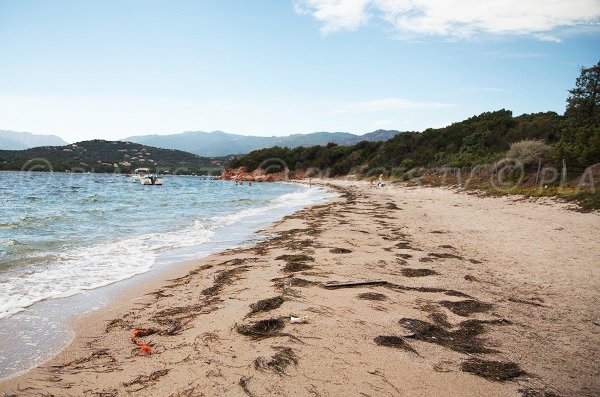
(66, 234)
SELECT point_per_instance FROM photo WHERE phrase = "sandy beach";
(483, 296)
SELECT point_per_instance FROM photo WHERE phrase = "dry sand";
(474, 281)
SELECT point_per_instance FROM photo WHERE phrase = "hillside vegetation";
(486, 138)
(107, 156)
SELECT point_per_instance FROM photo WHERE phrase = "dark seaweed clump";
(295, 258)
(466, 307)
(265, 305)
(465, 339)
(292, 267)
(393, 341)
(372, 296)
(492, 370)
(418, 272)
(340, 251)
(279, 362)
(262, 329)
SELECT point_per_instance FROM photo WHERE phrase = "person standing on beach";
(380, 182)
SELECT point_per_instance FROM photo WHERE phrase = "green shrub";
(529, 151)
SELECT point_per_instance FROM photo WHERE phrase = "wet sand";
(483, 296)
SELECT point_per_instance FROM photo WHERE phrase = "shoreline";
(55, 319)
(400, 235)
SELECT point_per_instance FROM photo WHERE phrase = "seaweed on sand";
(144, 381)
(340, 251)
(448, 292)
(394, 341)
(300, 282)
(116, 323)
(101, 354)
(265, 305)
(179, 314)
(296, 267)
(493, 370)
(372, 296)
(295, 258)
(465, 339)
(225, 277)
(244, 385)
(262, 329)
(418, 272)
(279, 362)
(296, 262)
(466, 307)
(445, 256)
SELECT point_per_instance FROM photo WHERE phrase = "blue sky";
(111, 69)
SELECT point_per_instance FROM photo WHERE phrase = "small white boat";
(151, 179)
(138, 173)
(144, 176)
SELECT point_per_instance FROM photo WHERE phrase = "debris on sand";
(448, 292)
(144, 381)
(394, 341)
(296, 263)
(440, 319)
(445, 256)
(117, 323)
(279, 362)
(467, 307)
(524, 301)
(144, 348)
(372, 296)
(292, 267)
(300, 282)
(464, 339)
(225, 277)
(244, 385)
(418, 272)
(349, 284)
(493, 370)
(262, 329)
(527, 392)
(266, 305)
(392, 206)
(295, 258)
(340, 251)
(298, 320)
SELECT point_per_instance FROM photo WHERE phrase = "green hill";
(108, 157)
(573, 137)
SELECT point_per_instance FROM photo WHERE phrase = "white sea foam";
(103, 264)
(92, 267)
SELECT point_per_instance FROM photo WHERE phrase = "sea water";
(81, 235)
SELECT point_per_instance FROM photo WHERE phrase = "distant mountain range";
(207, 144)
(12, 140)
(218, 143)
(108, 156)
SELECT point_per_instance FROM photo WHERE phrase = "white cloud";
(390, 104)
(335, 14)
(456, 19)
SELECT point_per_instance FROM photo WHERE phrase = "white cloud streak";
(456, 19)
